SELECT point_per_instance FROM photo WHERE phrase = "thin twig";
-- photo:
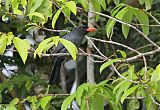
(145, 68)
(122, 22)
(96, 48)
(153, 18)
(52, 30)
(154, 101)
(119, 74)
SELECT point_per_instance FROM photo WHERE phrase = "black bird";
(75, 36)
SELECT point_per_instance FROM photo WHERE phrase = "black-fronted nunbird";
(75, 36)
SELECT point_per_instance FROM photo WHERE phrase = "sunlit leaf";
(33, 5)
(72, 6)
(72, 49)
(4, 17)
(10, 38)
(55, 17)
(22, 47)
(118, 85)
(79, 93)
(102, 3)
(111, 23)
(18, 12)
(108, 63)
(23, 2)
(84, 3)
(128, 92)
(3, 43)
(55, 40)
(14, 102)
(122, 53)
(44, 101)
(120, 91)
(157, 72)
(67, 101)
(143, 19)
(36, 14)
(41, 47)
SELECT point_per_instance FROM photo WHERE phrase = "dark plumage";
(76, 36)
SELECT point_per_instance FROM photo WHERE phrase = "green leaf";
(41, 47)
(96, 7)
(67, 101)
(111, 23)
(119, 85)
(143, 19)
(1, 98)
(102, 3)
(133, 105)
(128, 92)
(79, 93)
(84, 3)
(28, 85)
(72, 6)
(55, 17)
(142, 2)
(33, 5)
(23, 2)
(116, 1)
(44, 101)
(109, 27)
(22, 47)
(148, 101)
(154, 77)
(14, 4)
(131, 71)
(148, 4)
(121, 13)
(36, 14)
(10, 38)
(14, 102)
(72, 49)
(127, 18)
(4, 17)
(108, 1)
(3, 43)
(10, 107)
(158, 71)
(67, 13)
(55, 40)
(97, 103)
(108, 63)
(122, 53)
(18, 12)
(120, 91)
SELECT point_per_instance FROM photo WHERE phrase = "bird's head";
(83, 30)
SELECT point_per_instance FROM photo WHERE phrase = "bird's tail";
(55, 73)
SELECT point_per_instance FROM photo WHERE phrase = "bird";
(76, 36)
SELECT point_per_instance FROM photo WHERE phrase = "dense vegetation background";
(116, 68)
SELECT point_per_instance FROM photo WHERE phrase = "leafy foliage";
(135, 83)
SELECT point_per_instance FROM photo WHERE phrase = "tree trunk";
(90, 64)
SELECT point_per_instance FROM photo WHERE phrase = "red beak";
(91, 29)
